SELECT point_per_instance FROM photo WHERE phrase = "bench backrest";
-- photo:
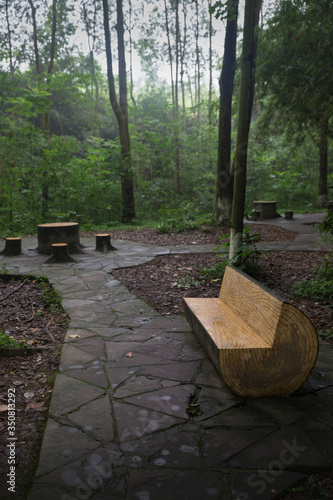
(257, 306)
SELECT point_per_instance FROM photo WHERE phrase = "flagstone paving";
(118, 426)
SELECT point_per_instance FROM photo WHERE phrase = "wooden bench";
(261, 345)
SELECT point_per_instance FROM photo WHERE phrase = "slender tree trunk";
(224, 177)
(177, 145)
(323, 165)
(244, 118)
(169, 52)
(91, 46)
(120, 109)
(45, 116)
(10, 48)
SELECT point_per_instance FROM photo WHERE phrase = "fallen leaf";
(35, 406)
(29, 394)
(3, 407)
(129, 355)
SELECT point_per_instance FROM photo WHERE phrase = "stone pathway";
(118, 426)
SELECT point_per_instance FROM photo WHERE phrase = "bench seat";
(260, 344)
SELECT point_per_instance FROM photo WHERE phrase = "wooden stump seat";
(58, 232)
(59, 254)
(13, 246)
(260, 344)
(103, 243)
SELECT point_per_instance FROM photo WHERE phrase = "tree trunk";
(45, 115)
(177, 145)
(120, 110)
(224, 178)
(9, 33)
(243, 127)
(323, 165)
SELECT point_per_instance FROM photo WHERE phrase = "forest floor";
(162, 283)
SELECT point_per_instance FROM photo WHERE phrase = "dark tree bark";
(224, 177)
(251, 19)
(120, 109)
(45, 115)
(323, 164)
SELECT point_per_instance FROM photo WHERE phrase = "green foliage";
(4, 269)
(49, 295)
(326, 227)
(175, 223)
(8, 342)
(186, 282)
(326, 334)
(320, 288)
(245, 259)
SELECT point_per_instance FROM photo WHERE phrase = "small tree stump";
(58, 232)
(103, 243)
(59, 254)
(13, 246)
(288, 214)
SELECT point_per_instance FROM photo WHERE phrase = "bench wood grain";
(260, 344)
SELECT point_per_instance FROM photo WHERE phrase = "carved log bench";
(261, 345)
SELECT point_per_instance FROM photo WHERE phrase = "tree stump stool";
(288, 214)
(59, 254)
(58, 232)
(268, 209)
(103, 243)
(13, 247)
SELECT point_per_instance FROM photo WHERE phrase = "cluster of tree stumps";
(58, 240)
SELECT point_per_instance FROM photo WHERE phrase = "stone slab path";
(118, 426)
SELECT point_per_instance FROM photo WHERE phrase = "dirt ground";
(162, 283)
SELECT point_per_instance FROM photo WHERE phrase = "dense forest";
(114, 112)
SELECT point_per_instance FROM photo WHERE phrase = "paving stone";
(221, 445)
(137, 385)
(182, 372)
(161, 346)
(141, 360)
(118, 350)
(85, 477)
(240, 416)
(181, 452)
(174, 484)
(135, 421)
(289, 445)
(209, 376)
(72, 333)
(72, 357)
(95, 418)
(280, 408)
(170, 324)
(170, 400)
(139, 452)
(92, 345)
(43, 492)
(61, 445)
(118, 376)
(92, 375)
(262, 484)
(69, 394)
